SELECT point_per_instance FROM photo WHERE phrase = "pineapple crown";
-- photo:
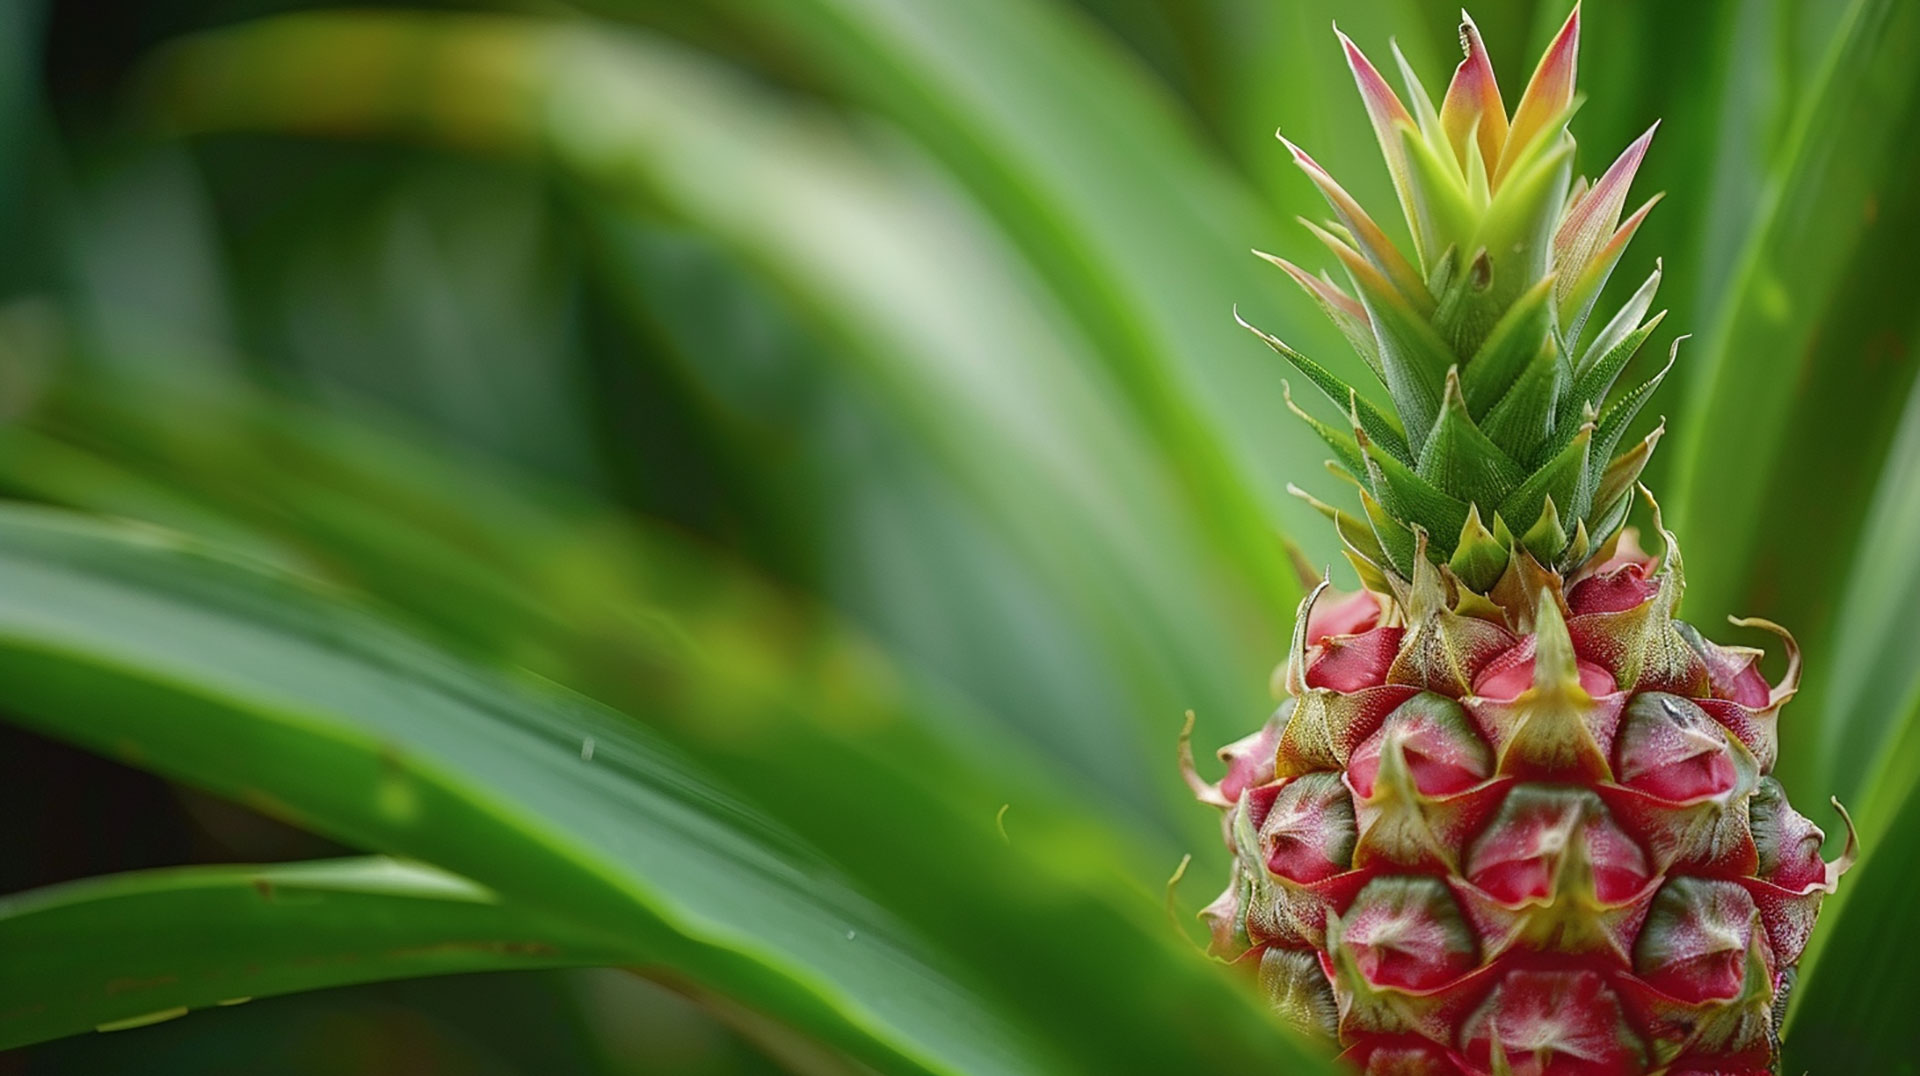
(1503, 425)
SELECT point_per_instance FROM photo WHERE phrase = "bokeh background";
(889, 344)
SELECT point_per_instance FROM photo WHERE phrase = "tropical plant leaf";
(1817, 321)
(1872, 698)
(1816, 325)
(127, 950)
(1872, 678)
(260, 689)
(1138, 232)
(135, 646)
(1859, 982)
(1074, 489)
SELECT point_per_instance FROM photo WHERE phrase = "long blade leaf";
(257, 688)
(128, 950)
(1017, 410)
(1767, 487)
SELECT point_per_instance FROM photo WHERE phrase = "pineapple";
(1512, 816)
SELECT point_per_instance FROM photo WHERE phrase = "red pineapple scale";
(1552, 851)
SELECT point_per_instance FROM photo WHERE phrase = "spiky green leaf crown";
(1504, 424)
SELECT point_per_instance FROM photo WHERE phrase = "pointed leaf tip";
(1577, 300)
(1479, 555)
(1548, 95)
(1324, 291)
(1387, 114)
(1203, 790)
(1613, 183)
(1374, 89)
(1429, 131)
(1472, 107)
(1554, 665)
(1851, 853)
(1592, 221)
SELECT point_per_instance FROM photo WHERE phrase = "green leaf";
(1871, 682)
(1358, 541)
(259, 689)
(759, 686)
(1620, 414)
(1395, 540)
(1617, 329)
(1380, 425)
(129, 643)
(1563, 481)
(1411, 499)
(1547, 538)
(1522, 422)
(1517, 235)
(1577, 302)
(1020, 415)
(131, 949)
(1084, 162)
(1592, 383)
(1346, 450)
(1481, 555)
(1441, 204)
(1853, 1007)
(1462, 460)
(1793, 418)
(1343, 310)
(1412, 357)
(1514, 341)
(1613, 489)
(1818, 308)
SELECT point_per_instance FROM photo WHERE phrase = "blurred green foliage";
(844, 395)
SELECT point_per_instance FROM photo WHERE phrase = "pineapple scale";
(1462, 849)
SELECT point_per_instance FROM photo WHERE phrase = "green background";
(744, 491)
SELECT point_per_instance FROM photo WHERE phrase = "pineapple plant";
(1511, 815)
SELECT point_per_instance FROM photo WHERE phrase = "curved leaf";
(262, 690)
(1769, 490)
(1009, 401)
(1872, 703)
(127, 950)
(253, 687)
(1872, 677)
(1854, 1006)
(1103, 185)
